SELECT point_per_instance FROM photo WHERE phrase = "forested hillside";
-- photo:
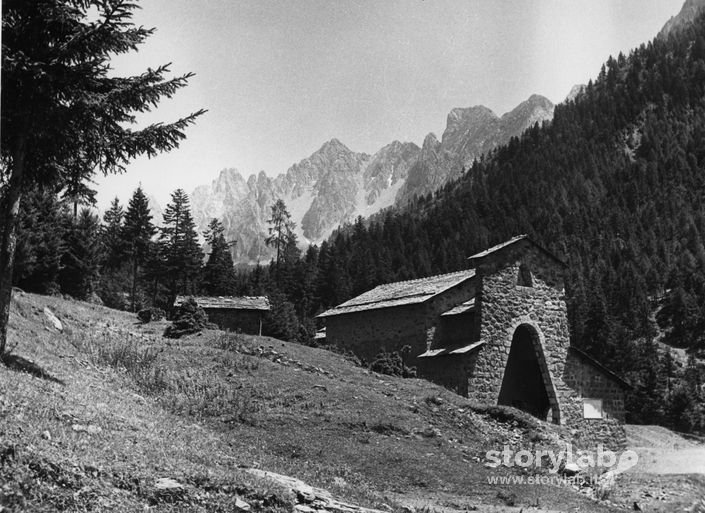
(615, 184)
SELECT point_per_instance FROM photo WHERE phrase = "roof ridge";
(239, 297)
(402, 292)
(425, 277)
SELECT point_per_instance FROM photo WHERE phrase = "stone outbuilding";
(497, 332)
(243, 314)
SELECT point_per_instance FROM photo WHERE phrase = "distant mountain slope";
(469, 134)
(331, 187)
(688, 13)
(335, 184)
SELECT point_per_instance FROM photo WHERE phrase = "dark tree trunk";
(133, 292)
(11, 206)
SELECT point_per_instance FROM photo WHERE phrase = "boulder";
(53, 320)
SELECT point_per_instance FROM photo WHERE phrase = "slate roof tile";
(231, 302)
(401, 293)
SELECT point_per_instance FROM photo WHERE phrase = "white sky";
(280, 78)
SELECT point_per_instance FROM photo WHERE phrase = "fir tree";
(112, 235)
(219, 272)
(78, 193)
(137, 233)
(181, 255)
(40, 242)
(281, 230)
(81, 260)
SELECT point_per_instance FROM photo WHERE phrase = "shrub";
(189, 318)
(151, 314)
(281, 321)
(392, 364)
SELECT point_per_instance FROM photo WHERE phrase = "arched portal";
(527, 384)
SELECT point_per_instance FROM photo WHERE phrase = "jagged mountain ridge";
(469, 134)
(687, 14)
(335, 184)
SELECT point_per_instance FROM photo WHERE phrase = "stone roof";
(228, 302)
(503, 245)
(401, 293)
(445, 351)
(462, 308)
(482, 254)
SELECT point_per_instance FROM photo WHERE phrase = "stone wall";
(246, 321)
(589, 382)
(368, 332)
(504, 305)
(590, 433)
(450, 371)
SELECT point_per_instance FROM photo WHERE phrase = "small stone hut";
(243, 313)
(497, 332)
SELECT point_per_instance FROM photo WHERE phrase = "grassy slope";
(201, 409)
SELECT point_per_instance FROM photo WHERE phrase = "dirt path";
(670, 473)
(663, 452)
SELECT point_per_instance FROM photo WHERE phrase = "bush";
(392, 364)
(151, 314)
(189, 318)
(281, 321)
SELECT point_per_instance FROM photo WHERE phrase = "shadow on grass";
(17, 363)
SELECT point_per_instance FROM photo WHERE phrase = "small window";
(592, 408)
(525, 276)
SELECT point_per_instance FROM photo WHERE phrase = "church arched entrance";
(527, 384)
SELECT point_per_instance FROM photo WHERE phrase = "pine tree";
(81, 261)
(281, 230)
(111, 235)
(40, 242)
(65, 115)
(79, 193)
(281, 321)
(137, 232)
(218, 276)
(179, 249)
(115, 271)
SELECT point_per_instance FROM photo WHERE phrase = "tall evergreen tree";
(281, 230)
(137, 233)
(81, 261)
(78, 193)
(112, 235)
(41, 242)
(64, 114)
(218, 276)
(179, 249)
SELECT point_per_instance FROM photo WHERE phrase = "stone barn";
(497, 332)
(244, 314)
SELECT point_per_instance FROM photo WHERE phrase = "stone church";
(497, 332)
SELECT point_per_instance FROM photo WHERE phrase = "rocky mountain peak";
(476, 114)
(430, 143)
(333, 147)
(575, 91)
(690, 10)
(535, 109)
(229, 174)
